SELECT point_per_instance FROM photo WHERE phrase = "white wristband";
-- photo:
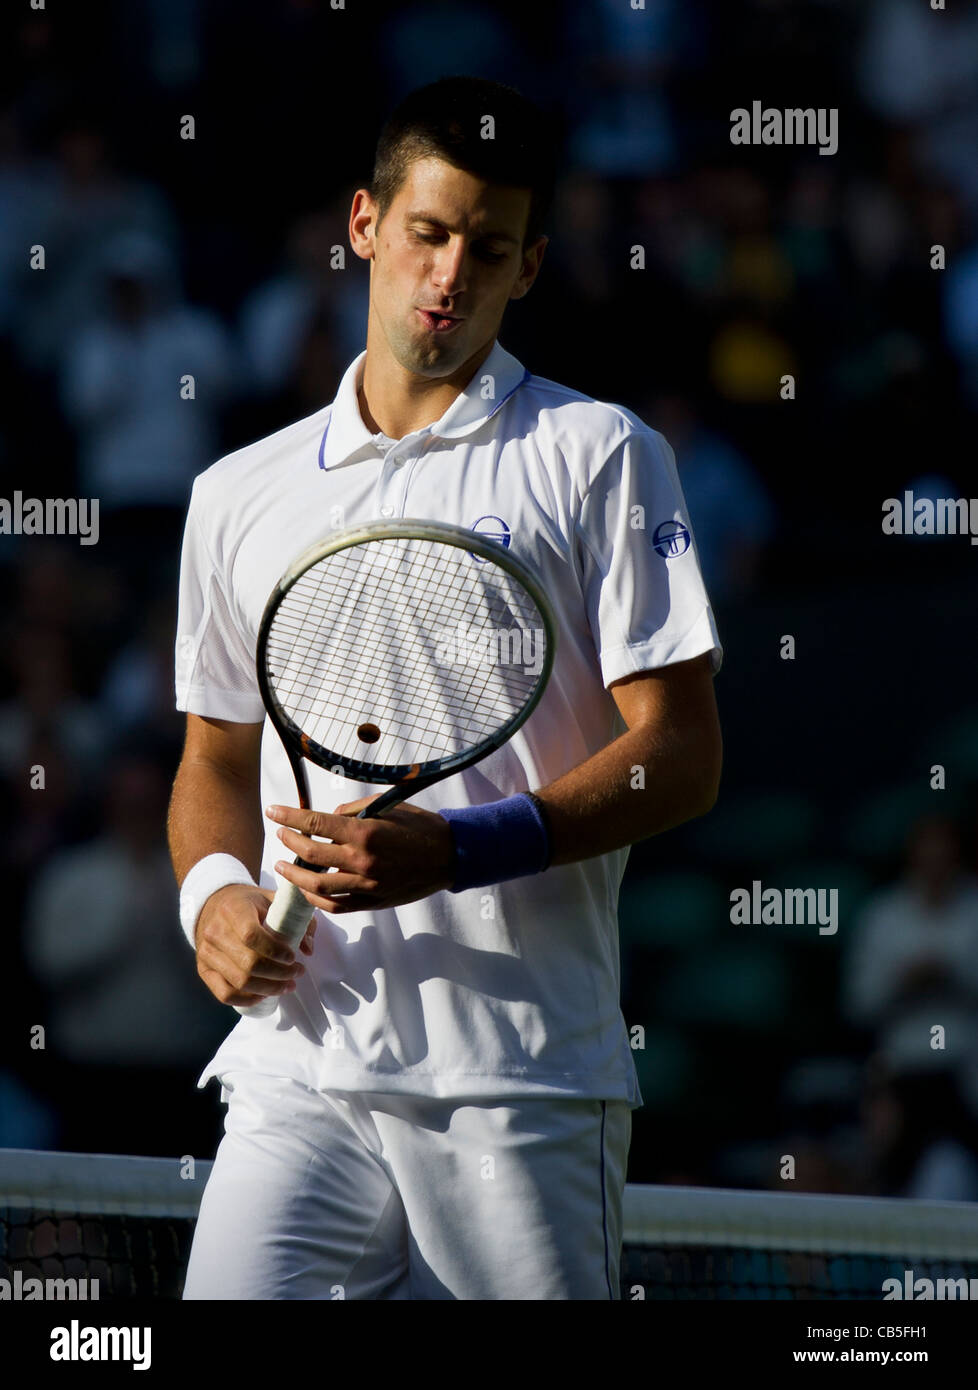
(206, 877)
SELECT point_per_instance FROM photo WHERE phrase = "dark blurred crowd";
(214, 259)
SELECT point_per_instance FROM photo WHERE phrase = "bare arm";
(665, 769)
(215, 808)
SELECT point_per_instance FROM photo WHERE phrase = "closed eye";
(485, 253)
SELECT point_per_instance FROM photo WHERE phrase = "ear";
(363, 224)
(530, 269)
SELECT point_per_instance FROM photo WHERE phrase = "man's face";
(446, 259)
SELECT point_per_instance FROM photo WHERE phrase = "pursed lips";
(438, 321)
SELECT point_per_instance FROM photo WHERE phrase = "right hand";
(239, 959)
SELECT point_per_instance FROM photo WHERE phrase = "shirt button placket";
(393, 467)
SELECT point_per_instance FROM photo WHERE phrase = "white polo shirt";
(500, 992)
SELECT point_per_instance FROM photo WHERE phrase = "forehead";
(461, 200)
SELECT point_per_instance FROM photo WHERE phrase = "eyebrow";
(440, 222)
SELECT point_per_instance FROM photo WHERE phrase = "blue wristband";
(501, 840)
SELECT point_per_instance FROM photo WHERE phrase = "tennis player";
(441, 1106)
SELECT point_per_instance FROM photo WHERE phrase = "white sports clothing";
(502, 993)
(326, 1195)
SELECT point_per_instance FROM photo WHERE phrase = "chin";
(429, 360)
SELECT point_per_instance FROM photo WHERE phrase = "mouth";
(437, 322)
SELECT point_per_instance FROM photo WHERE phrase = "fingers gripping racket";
(397, 653)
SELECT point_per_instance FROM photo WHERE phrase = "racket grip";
(289, 915)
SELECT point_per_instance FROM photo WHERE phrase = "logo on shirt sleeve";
(670, 538)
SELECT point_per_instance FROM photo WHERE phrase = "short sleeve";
(215, 660)
(646, 602)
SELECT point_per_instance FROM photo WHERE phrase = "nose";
(448, 273)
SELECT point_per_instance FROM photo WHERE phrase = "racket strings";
(399, 673)
(411, 636)
(390, 634)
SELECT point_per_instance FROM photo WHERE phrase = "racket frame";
(407, 778)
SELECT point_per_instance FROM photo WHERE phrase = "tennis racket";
(397, 653)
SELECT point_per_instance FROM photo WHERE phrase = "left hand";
(406, 854)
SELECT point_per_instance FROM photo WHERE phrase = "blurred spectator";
(919, 68)
(819, 1101)
(52, 736)
(138, 688)
(23, 183)
(748, 358)
(584, 210)
(623, 124)
(279, 316)
(921, 1137)
(756, 271)
(481, 41)
(732, 516)
(46, 702)
(141, 442)
(45, 797)
(49, 581)
(877, 227)
(913, 962)
(164, 36)
(80, 203)
(810, 222)
(58, 588)
(126, 1016)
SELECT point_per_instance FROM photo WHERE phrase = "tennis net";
(128, 1223)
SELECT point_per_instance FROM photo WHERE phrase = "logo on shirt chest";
(492, 528)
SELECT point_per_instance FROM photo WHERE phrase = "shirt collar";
(346, 438)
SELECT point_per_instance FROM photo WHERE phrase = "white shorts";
(326, 1195)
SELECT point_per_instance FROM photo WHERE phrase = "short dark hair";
(445, 120)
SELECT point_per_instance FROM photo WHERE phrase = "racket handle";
(289, 915)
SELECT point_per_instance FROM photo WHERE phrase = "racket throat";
(389, 799)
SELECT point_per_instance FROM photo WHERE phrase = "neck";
(397, 402)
